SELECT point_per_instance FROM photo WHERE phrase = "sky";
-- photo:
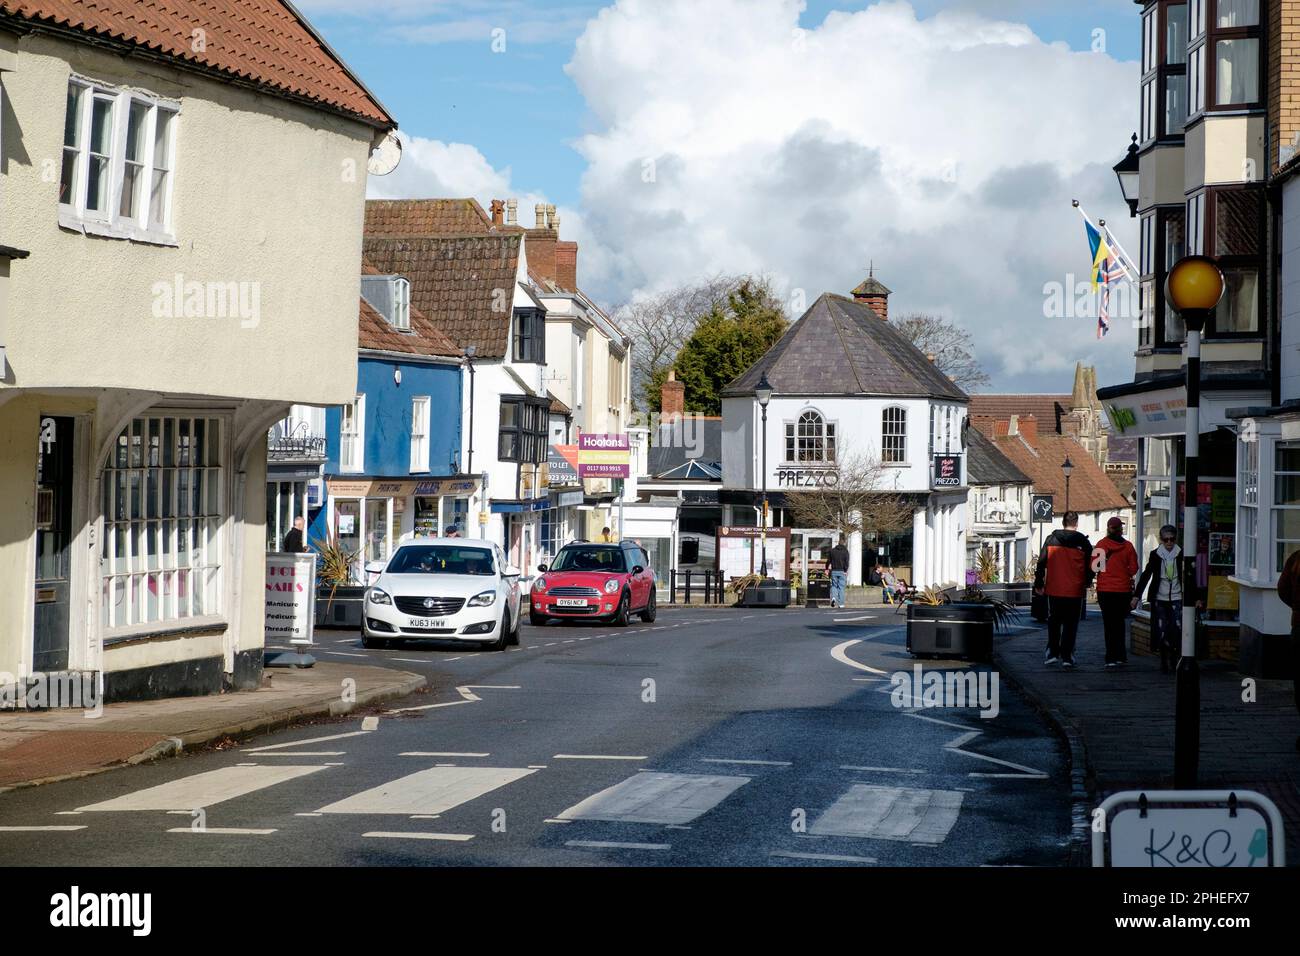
(940, 140)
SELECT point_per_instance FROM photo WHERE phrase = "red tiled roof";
(1042, 407)
(374, 332)
(1091, 489)
(426, 217)
(464, 284)
(259, 41)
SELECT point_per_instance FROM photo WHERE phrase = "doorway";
(54, 491)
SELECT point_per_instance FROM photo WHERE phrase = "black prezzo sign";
(947, 471)
(807, 478)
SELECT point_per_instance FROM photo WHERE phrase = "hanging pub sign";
(1041, 508)
(947, 471)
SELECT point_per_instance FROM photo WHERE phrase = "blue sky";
(433, 66)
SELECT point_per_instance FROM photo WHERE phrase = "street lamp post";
(1067, 467)
(1194, 287)
(1126, 170)
(764, 395)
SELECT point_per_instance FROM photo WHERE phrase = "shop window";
(1286, 500)
(163, 505)
(285, 500)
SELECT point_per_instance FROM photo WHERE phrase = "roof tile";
(1090, 488)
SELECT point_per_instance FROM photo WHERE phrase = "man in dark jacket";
(839, 574)
(1064, 573)
(1288, 589)
(293, 543)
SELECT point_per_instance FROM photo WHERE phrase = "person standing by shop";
(1166, 571)
(839, 564)
(1288, 589)
(1063, 575)
(1115, 562)
(293, 542)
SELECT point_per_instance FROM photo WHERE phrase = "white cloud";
(945, 148)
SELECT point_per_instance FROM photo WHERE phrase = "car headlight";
(611, 586)
(378, 596)
(540, 585)
(485, 599)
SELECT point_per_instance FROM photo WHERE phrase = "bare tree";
(661, 324)
(950, 344)
(855, 496)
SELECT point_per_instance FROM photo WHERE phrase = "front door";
(53, 545)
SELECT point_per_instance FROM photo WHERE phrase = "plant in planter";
(335, 569)
(986, 566)
(1005, 614)
(738, 586)
(938, 626)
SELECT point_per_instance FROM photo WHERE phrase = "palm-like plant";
(1005, 614)
(986, 566)
(335, 565)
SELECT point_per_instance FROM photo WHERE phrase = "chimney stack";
(672, 398)
(873, 294)
(540, 212)
(512, 212)
(498, 212)
(566, 266)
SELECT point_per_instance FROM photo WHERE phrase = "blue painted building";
(393, 457)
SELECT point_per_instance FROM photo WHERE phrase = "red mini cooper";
(600, 582)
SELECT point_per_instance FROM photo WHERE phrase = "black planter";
(771, 593)
(819, 593)
(344, 610)
(950, 630)
(1017, 594)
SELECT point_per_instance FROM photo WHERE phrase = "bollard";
(688, 587)
(672, 586)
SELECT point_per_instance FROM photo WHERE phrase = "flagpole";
(1130, 271)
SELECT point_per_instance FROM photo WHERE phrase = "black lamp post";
(1126, 171)
(1194, 287)
(764, 395)
(1067, 467)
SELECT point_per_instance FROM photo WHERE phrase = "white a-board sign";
(291, 597)
(1180, 829)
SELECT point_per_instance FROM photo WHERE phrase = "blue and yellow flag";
(1102, 258)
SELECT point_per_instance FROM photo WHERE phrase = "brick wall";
(1283, 74)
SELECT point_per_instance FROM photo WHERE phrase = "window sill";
(189, 627)
(1256, 583)
(108, 230)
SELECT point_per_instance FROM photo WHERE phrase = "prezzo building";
(847, 384)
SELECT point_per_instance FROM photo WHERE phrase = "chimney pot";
(540, 212)
(672, 398)
(512, 212)
(498, 212)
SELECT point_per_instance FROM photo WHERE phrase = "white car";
(445, 589)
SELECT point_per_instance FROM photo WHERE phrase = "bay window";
(116, 173)
(1286, 500)
(1248, 509)
(522, 434)
(1164, 103)
(163, 503)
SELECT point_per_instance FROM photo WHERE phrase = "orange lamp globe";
(1195, 284)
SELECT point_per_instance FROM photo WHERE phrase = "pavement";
(740, 737)
(46, 746)
(1119, 724)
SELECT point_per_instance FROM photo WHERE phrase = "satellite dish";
(385, 156)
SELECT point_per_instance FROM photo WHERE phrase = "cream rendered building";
(192, 230)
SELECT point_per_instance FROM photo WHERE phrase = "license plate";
(570, 602)
(425, 623)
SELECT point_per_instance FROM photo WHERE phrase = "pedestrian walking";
(1162, 580)
(451, 532)
(1115, 562)
(606, 536)
(839, 564)
(293, 541)
(1288, 589)
(1063, 575)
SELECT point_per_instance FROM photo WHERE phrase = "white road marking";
(448, 660)
(761, 763)
(344, 654)
(439, 753)
(299, 743)
(45, 829)
(467, 695)
(557, 821)
(1008, 776)
(415, 835)
(203, 789)
(67, 813)
(308, 814)
(435, 790)
(537, 766)
(610, 845)
(593, 757)
(838, 652)
(851, 620)
(829, 857)
(410, 660)
(298, 753)
(870, 680)
(967, 735)
(662, 798)
(884, 769)
(222, 831)
(891, 813)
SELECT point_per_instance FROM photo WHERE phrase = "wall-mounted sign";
(807, 477)
(604, 456)
(1148, 413)
(947, 471)
(740, 551)
(344, 488)
(1041, 508)
(454, 487)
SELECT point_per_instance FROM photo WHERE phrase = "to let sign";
(291, 597)
(947, 471)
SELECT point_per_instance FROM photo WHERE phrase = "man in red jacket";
(1064, 573)
(1115, 562)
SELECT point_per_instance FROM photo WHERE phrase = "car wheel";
(373, 642)
(503, 641)
(514, 630)
(624, 610)
(651, 609)
(535, 619)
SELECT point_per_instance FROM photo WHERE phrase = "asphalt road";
(713, 737)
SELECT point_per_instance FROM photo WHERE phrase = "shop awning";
(1158, 406)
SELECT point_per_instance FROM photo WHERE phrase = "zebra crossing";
(651, 801)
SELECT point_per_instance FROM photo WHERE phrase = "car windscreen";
(609, 560)
(441, 559)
